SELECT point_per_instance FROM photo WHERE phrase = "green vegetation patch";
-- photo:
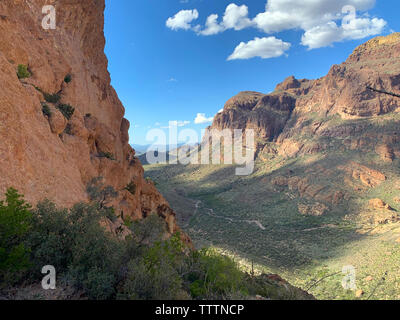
(51, 98)
(46, 110)
(67, 110)
(23, 72)
(68, 78)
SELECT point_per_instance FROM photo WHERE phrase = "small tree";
(15, 219)
(100, 193)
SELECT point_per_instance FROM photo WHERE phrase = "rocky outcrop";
(342, 129)
(265, 114)
(379, 204)
(316, 209)
(82, 134)
(298, 109)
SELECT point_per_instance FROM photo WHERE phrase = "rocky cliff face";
(285, 113)
(47, 152)
(342, 128)
(299, 108)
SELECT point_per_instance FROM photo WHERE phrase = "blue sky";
(172, 71)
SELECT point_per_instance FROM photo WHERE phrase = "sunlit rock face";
(304, 107)
(47, 156)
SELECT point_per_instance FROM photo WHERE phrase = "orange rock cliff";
(51, 156)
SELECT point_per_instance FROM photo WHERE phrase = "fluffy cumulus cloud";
(201, 118)
(182, 20)
(265, 48)
(323, 22)
(325, 35)
(283, 15)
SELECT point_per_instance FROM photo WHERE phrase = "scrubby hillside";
(326, 189)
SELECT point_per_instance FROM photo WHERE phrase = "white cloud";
(201, 118)
(322, 21)
(235, 17)
(283, 15)
(212, 26)
(182, 20)
(265, 48)
(220, 111)
(358, 28)
(174, 124)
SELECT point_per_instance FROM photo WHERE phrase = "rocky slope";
(341, 113)
(344, 91)
(46, 153)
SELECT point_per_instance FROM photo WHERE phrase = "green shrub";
(46, 110)
(149, 230)
(51, 238)
(155, 274)
(51, 98)
(143, 282)
(131, 187)
(107, 155)
(68, 129)
(67, 110)
(80, 249)
(214, 276)
(100, 193)
(15, 223)
(96, 256)
(23, 71)
(149, 180)
(68, 78)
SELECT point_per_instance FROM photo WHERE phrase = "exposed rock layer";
(342, 129)
(51, 156)
(285, 114)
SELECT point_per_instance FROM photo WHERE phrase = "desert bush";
(131, 187)
(46, 110)
(143, 282)
(107, 155)
(67, 110)
(154, 274)
(76, 244)
(149, 180)
(99, 192)
(96, 256)
(51, 98)
(68, 78)
(51, 238)
(149, 230)
(68, 129)
(15, 223)
(214, 276)
(23, 71)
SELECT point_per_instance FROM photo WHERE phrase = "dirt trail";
(211, 213)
